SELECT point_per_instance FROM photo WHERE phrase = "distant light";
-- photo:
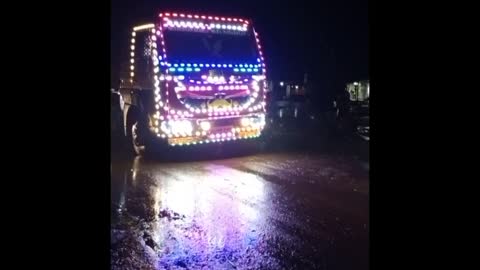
(355, 83)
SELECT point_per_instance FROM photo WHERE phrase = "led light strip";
(199, 25)
(204, 17)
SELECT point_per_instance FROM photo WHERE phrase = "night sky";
(327, 39)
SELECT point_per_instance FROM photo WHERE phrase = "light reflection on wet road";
(265, 211)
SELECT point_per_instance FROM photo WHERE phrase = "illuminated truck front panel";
(209, 79)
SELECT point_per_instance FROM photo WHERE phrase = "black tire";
(139, 139)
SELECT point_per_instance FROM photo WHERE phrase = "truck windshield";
(183, 46)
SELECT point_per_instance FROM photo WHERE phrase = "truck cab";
(193, 79)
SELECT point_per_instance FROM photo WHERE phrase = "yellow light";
(197, 133)
(143, 27)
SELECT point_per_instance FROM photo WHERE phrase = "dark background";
(326, 39)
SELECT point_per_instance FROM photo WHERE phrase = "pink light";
(167, 14)
(223, 19)
(197, 88)
(246, 21)
(182, 15)
(229, 19)
(216, 18)
(191, 88)
(240, 20)
(189, 16)
(209, 88)
(202, 88)
(160, 15)
(224, 135)
(235, 19)
(210, 17)
(220, 87)
(195, 16)
(203, 17)
(172, 111)
(218, 135)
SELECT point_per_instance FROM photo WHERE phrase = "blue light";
(188, 65)
(230, 65)
(242, 70)
(171, 69)
(224, 65)
(194, 65)
(175, 65)
(250, 65)
(159, 57)
(258, 60)
(201, 65)
(182, 64)
(197, 69)
(213, 65)
(180, 69)
(241, 65)
(249, 70)
(189, 69)
(255, 69)
(246, 65)
(235, 69)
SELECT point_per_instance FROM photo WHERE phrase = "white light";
(145, 26)
(245, 122)
(132, 47)
(205, 125)
(281, 83)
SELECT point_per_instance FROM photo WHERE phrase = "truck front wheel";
(139, 139)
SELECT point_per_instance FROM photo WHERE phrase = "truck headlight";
(205, 125)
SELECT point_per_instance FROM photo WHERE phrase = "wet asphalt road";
(282, 209)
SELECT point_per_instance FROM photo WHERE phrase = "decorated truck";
(193, 79)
